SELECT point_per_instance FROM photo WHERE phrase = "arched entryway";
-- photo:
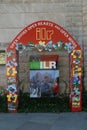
(44, 36)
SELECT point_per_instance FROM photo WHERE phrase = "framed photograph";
(44, 83)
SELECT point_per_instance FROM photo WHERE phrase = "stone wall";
(17, 14)
(84, 45)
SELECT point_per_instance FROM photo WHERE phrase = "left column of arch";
(12, 80)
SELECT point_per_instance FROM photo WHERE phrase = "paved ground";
(44, 121)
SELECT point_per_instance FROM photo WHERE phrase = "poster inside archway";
(44, 36)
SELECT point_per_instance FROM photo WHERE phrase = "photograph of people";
(44, 83)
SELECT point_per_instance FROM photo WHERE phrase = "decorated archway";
(44, 36)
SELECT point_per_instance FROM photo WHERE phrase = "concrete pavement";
(43, 121)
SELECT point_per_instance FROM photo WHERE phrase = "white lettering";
(53, 64)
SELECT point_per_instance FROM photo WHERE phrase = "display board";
(44, 76)
(44, 36)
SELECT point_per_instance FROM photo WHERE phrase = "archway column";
(12, 80)
(76, 80)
